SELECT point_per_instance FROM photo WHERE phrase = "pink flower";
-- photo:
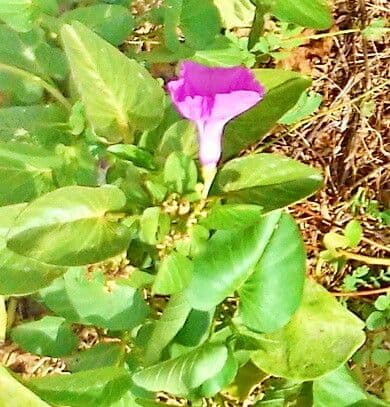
(210, 97)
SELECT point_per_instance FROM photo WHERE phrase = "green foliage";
(81, 233)
(98, 387)
(114, 23)
(283, 90)
(115, 305)
(320, 319)
(380, 318)
(50, 336)
(100, 355)
(272, 294)
(308, 13)
(114, 114)
(376, 29)
(185, 373)
(267, 180)
(307, 104)
(11, 392)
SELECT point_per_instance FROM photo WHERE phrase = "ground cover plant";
(144, 204)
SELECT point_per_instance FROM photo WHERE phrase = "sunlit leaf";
(70, 226)
(321, 323)
(119, 95)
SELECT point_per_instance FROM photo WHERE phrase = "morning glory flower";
(211, 97)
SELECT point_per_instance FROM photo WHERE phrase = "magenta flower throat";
(211, 97)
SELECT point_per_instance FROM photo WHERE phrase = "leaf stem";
(11, 311)
(361, 293)
(365, 259)
(34, 78)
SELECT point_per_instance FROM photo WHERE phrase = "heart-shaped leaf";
(185, 373)
(116, 105)
(70, 226)
(95, 301)
(227, 262)
(19, 274)
(269, 180)
(272, 294)
(320, 324)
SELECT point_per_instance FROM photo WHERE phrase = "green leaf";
(226, 217)
(307, 104)
(320, 323)
(272, 294)
(283, 90)
(337, 389)
(174, 274)
(382, 303)
(180, 137)
(185, 373)
(70, 226)
(180, 173)
(100, 355)
(199, 22)
(307, 13)
(114, 23)
(18, 274)
(224, 52)
(154, 225)
(91, 388)
(116, 105)
(45, 124)
(196, 328)
(268, 180)
(166, 328)
(30, 52)
(215, 384)
(236, 13)
(353, 232)
(28, 169)
(376, 29)
(20, 14)
(376, 320)
(227, 261)
(50, 336)
(95, 301)
(14, 394)
(136, 155)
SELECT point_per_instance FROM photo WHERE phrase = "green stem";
(34, 78)
(208, 174)
(257, 26)
(11, 311)
(365, 259)
(331, 34)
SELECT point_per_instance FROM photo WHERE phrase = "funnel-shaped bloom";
(211, 97)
